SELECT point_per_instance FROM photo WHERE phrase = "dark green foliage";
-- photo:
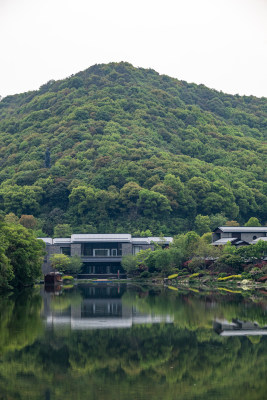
(47, 159)
(130, 150)
(21, 256)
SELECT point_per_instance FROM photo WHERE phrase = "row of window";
(95, 252)
(100, 252)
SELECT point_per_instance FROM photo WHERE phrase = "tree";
(129, 264)
(152, 203)
(21, 199)
(62, 230)
(202, 223)
(232, 223)
(229, 263)
(60, 262)
(6, 270)
(253, 251)
(75, 265)
(11, 218)
(253, 221)
(24, 253)
(28, 221)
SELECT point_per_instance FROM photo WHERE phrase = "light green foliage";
(129, 263)
(202, 223)
(253, 221)
(75, 265)
(11, 218)
(60, 262)
(254, 251)
(62, 230)
(229, 248)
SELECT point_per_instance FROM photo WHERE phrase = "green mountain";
(116, 148)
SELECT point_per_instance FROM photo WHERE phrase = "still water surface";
(105, 342)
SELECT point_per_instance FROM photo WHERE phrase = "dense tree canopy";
(115, 148)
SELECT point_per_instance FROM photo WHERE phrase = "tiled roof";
(223, 241)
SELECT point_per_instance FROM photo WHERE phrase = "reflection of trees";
(65, 300)
(20, 322)
(155, 361)
(198, 310)
(167, 361)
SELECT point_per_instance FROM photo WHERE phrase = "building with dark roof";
(238, 235)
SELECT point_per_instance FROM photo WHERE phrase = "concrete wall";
(53, 249)
(248, 237)
(215, 236)
(227, 235)
(76, 249)
(126, 248)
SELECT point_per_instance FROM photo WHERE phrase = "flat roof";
(242, 228)
(158, 239)
(107, 237)
(141, 240)
(46, 240)
(98, 237)
(61, 240)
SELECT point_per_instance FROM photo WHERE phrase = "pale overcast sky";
(220, 43)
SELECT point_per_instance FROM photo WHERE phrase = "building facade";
(101, 254)
(238, 235)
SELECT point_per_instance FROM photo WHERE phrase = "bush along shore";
(191, 259)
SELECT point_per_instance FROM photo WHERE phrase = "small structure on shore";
(53, 278)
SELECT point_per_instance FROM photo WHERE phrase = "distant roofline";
(241, 229)
(107, 237)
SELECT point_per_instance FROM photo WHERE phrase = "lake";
(117, 341)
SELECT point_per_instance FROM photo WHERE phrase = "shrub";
(226, 278)
(145, 275)
(172, 276)
(67, 278)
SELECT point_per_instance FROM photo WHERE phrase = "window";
(101, 252)
(136, 249)
(114, 252)
(65, 250)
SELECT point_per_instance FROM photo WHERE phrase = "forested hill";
(118, 148)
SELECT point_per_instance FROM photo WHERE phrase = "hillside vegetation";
(120, 149)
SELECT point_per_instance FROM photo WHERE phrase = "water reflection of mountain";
(238, 328)
(99, 307)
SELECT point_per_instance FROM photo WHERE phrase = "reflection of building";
(100, 307)
(238, 328)
(238, 235)
(101, 254)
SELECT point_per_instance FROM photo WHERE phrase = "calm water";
(127, 342)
